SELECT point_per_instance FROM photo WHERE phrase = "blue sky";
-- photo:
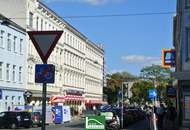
(130, 42)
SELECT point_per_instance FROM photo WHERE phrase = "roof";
(10, 22)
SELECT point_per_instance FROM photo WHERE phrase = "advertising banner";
(95, 123)
(57, 114)
(66, 114)
(48, 112)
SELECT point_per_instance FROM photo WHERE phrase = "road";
(79, 125)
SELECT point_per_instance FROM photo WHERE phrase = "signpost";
(152, 95)
(44, 42)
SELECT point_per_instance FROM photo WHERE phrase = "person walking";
(160, 112)
(171, 117)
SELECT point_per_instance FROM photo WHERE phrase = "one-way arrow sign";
(44, 42)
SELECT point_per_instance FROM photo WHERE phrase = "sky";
(130, 42)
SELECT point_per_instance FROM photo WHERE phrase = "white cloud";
(141, 59)
(91, 2)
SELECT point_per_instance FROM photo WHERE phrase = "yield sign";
(44, 42)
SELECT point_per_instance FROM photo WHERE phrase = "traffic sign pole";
(44, 42)
(44, 106)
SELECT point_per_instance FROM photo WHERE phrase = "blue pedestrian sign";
(152, 93)
(44, 73)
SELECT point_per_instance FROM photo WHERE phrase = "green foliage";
(114, 84)
(153, 76)
(140, 91)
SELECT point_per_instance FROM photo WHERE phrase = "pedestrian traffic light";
(168, 58)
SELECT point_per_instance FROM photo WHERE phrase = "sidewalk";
(141, 125)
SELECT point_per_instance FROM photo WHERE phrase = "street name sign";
(44, 42)
(95, 123)
(44, 73)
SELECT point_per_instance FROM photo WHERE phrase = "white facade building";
(79, 62)
(12, 64)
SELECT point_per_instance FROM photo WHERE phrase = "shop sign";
(74, 92)
(171, 91)
(95, 123)
(168, 58)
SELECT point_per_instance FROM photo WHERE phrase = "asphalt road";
(79, 125)
(74, 125)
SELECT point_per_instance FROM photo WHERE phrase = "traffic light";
(168, 58)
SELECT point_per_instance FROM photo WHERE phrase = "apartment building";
(181, 42)
(78, 61)
(12, 64)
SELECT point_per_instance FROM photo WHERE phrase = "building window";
(1, 38)
(8, 72)
(49, 26)
(41, 24)
(20, 46)
(31, 19)
(187, 3)
(37, 20)
(1, 70)
(14, 43)
(14, 73)
(13, 98)
(188, 43)
(20, 74)
(45, 25)
(9, 42)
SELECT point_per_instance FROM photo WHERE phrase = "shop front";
(72, 98)
(93, 103)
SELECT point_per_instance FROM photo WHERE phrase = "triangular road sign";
(44, 42)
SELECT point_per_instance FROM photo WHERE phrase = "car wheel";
(13, 126)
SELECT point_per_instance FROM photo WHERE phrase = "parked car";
(112, 120)
(88, 113)
(10, 119)
(36, 119)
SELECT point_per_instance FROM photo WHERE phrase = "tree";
(140, 91)
(114, 84)
(159, 76)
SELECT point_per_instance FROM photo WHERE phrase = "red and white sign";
(44, 42)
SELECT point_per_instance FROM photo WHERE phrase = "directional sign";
(44, 73)
(152, 93)
(44, 42)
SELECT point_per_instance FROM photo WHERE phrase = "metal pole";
(44, 107)
(122, 108)
(154, 111)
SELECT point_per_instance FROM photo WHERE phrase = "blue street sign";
(1, 94)
(44, 73)
(152, 93)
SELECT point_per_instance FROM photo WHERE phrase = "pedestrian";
(160, 112)
(171, 117)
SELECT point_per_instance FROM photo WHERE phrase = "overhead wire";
(109, 15)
